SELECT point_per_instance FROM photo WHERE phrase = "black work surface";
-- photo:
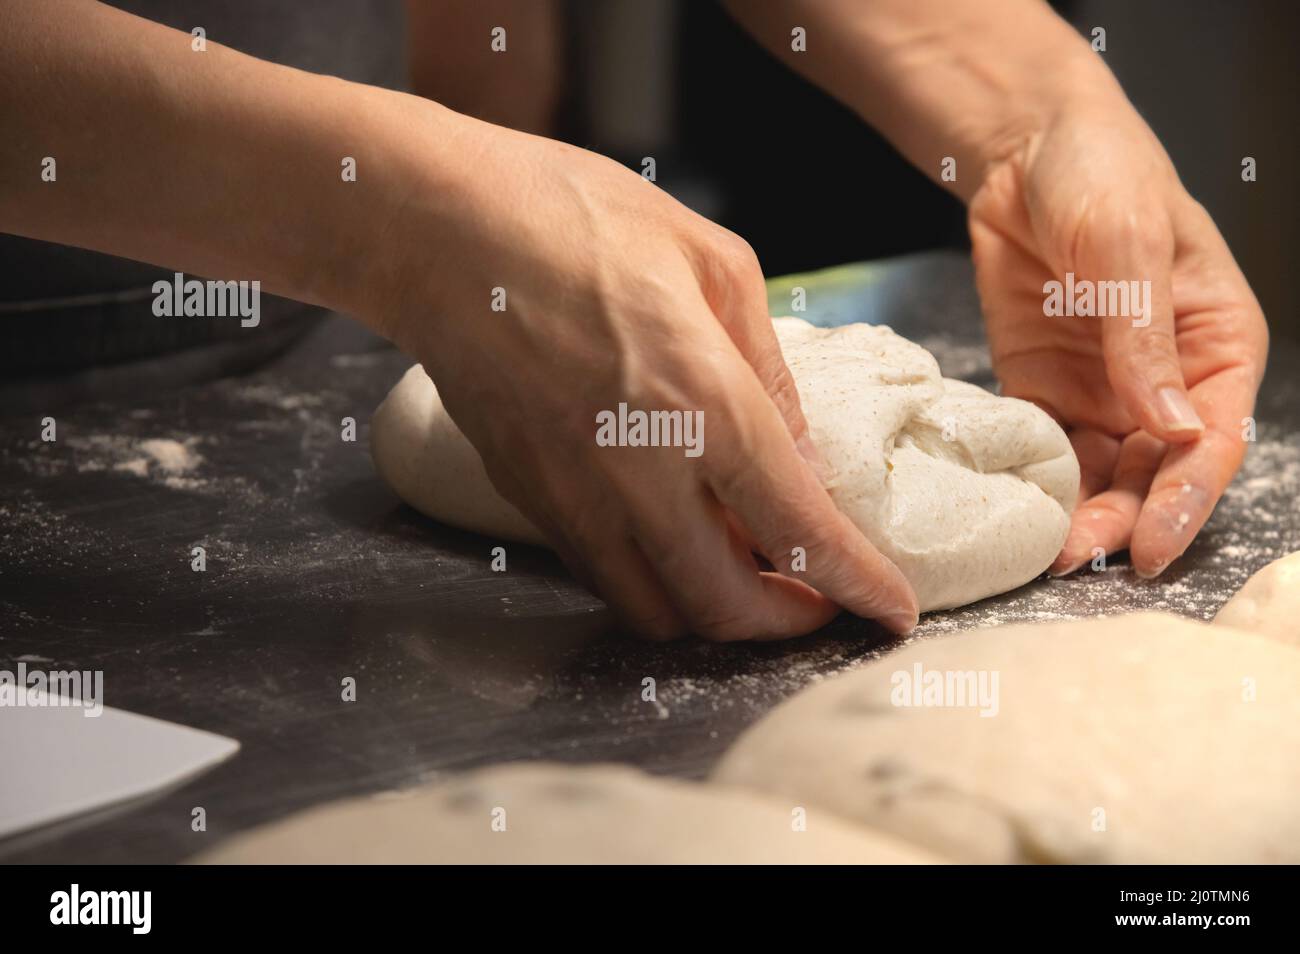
(316, 573)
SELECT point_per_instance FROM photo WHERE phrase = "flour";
(172, 456)
(137, 466)
(276, 397)
(162, 456)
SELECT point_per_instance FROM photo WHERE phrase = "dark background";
(765, 153)
(735, 135)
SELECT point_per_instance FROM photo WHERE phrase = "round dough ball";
(425, 458)
(968, 493)
(605, 814)
(1269, 603)
(1135, 739)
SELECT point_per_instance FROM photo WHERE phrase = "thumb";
(763, 352)
(740, 304)
(1128, 259)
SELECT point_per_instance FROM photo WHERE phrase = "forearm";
(970, 79)
(212, 162)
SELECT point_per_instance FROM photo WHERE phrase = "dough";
(423, 456)
(1269, 603)
(564, 814)
(968, 493)
(1147, 718)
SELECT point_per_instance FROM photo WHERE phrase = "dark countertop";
(316, 572)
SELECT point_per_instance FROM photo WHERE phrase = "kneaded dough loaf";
(968, 493)
(1269, 603)
(561, 814)
(1136, 739)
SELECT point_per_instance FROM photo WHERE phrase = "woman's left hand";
(1158, 405)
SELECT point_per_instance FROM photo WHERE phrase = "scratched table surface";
(315, 572)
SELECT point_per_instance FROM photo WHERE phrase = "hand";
(1155, 413)
(615, 293)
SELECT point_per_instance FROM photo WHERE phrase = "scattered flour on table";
(172, 456)
(163, 462)
(274, 396)
(751, 691)
(104, 452)
(35, 534)
(158, 455)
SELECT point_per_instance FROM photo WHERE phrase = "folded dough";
(968, 493)
(1136, 739)
(561, 814)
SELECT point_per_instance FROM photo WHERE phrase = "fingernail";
(1077, 542)
(902, 622)
(1177, 411)
(1156, 571)
(808, 450)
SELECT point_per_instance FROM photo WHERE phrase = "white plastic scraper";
(61, 760)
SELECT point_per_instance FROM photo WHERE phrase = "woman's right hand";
(612, 293)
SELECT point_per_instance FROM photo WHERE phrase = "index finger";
(1193, 477)
(775, 494)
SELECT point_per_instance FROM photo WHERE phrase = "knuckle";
(860, 582)
(1152, 350)
(1106, 227)
(727, 398)
(779, 384)
(868, 596)
(737, 255)
(1145, 232)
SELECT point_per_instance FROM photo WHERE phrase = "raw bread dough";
(1147, 718)
(1269, 603)
(562, 814)
(423, 456)
(968, 493)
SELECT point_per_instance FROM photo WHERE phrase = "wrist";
(973, 82)
(415, 186)
(358, 242)
(1076, 83)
